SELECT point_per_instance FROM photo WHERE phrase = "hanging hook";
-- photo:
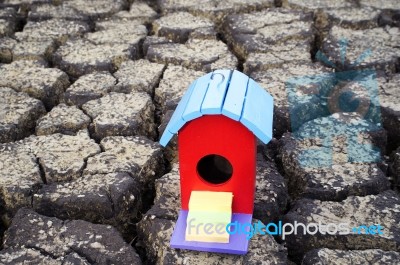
(222, 79)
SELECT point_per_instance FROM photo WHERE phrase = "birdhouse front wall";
(217, 153)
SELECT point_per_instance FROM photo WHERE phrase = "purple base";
(238, 243)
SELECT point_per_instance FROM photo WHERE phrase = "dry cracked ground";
(87, 87)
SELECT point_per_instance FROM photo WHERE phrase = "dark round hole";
(215, 169)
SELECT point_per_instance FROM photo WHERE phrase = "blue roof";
(229, 93)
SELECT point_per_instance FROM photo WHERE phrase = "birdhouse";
(218, 121)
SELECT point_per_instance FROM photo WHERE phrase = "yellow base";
(209, 214)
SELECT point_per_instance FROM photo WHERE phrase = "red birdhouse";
(217, 121)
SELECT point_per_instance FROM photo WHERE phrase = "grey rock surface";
(32, 256)
(331, 158)
(355, 18)
(61, 157)
(153, 40)
(18, 113)
(20, 174)
(137, 156)
(6, 27)
(390, 4)
(121, 114)
(271, 194)
(62, 119)
(69, 241)
(389, 17)
(114, 23)
(395, 167)
(96, 9)
(117, 32)
(390, 110)
(12, 49)
(256, 32)
(79, 57)
(356, 257)
(26, 63)
(204, 33)
(50, 11)
(57, 29)
(167, 196)
(197, 54)
(24, 3)
(278, 56)
(311, 5)
(383, 209)
(138, 76)
(8, 21)
(178, 26)
(46, 84)
(215, 11)
(6, 47)
(139, 12)
(112, 199)
(383, 43)
(105, 188)
(89, 87)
